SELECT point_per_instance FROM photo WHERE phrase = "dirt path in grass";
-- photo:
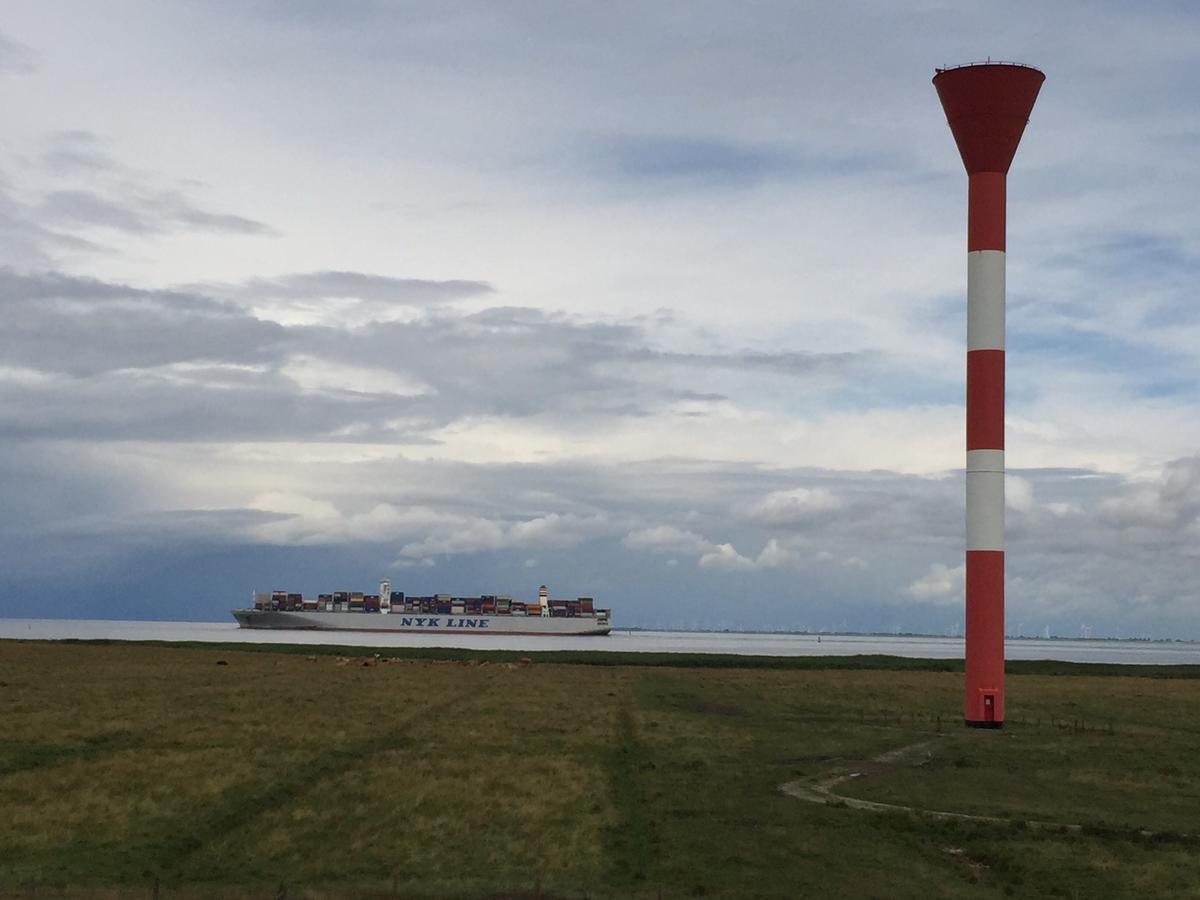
(821, 788)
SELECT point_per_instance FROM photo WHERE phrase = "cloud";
(183, 363)
(26, 243)
(361, 286)
(461, 535)
(724, 557)
(15, 57)
(1165, 509)
(712, 162)
(941, 584)
(800, 506)
(1018, 493)
(342, 299)
(668, 539)
(74, 199)
(83, 327)
(141, 213)
(77, 152)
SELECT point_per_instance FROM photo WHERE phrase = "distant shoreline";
(648, 659)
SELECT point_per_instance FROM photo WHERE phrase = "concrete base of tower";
(971, 724)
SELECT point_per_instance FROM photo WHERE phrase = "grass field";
(135, 770)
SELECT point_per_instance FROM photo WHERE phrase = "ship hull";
(407, 623)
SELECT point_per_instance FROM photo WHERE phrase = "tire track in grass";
(631, 842)
(28, 756)
(241, 804)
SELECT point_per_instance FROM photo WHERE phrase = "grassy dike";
(143, 770)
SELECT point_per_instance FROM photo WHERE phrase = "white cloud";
(774, 555)
(723, 556)
(1018, 493)
(462, 535)
(667, 539)
(799, 506)
(941, 584)
(319, 375)
(710, 555)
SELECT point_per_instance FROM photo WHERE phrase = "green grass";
(467, 774)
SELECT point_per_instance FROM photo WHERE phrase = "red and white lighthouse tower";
(987, 106)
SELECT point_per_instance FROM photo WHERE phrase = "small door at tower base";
(989, 707)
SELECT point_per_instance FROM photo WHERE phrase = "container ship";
(439, 614)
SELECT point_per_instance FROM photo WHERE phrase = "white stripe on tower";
(985, 450)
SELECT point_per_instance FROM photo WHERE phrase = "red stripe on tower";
(987, 106)
(985, 399)
(985, 211)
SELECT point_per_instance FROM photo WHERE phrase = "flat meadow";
(147, 770)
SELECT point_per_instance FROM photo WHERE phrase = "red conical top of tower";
(987, 106)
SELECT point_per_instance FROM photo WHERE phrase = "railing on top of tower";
(987, 62)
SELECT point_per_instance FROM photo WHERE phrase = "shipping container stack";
(438, 604)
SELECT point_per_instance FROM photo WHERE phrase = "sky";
(661, 303)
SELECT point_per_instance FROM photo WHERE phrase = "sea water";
(740, 643)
